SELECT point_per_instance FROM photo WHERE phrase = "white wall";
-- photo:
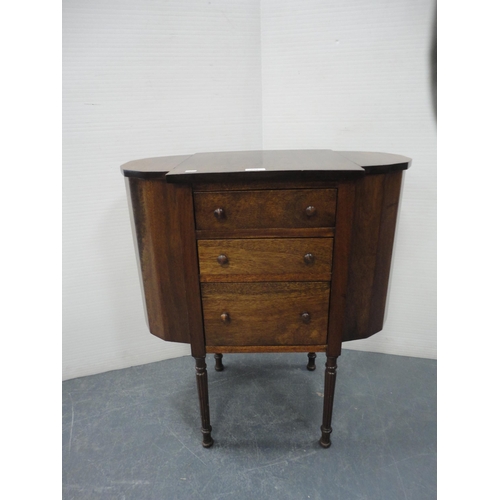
(140, 78)
(354, 75)
(146, 78)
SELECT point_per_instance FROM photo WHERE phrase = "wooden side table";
(265, 251)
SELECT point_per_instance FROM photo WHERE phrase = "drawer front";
(283, 259)
(285, 208)
(265, 314)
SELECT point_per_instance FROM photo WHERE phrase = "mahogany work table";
(265, 251)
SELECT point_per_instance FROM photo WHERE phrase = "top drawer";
(284, 208)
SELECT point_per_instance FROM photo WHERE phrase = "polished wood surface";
(375, 215)
(265, 251)
(168, 265)
(278, 165)
(264, 209)
(152, 168)
(265, 313)
(305, 259)
(236, 165)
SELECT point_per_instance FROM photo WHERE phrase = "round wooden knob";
(219, 213)
(306, 317)
(310, 211)
(222, 259)
(225, 317)
(308, 258)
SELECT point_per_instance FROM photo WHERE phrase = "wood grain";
(387, 228)
(266, 259)
(286, 263)
(265, 313)
(340, 271)
(168, 264)
(265, 209)
(374, 226)
(368, 206)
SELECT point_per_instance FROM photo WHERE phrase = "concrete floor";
(135, 433)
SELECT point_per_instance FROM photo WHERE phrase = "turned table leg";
(311, 365)
(202, 383)
(218, 362)
(330, 376)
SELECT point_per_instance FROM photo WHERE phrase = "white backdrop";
(145, 78)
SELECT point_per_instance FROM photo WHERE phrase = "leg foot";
(218, 362)
(330, 376)
(207, 438)
(311, 365)
(202, 383)
(325, 437)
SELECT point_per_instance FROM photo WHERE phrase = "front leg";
(330, 376)
(202, 383)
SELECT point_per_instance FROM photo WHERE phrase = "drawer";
(283, 259)
(265, 314)
(284, 208)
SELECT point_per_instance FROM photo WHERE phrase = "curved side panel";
(164, 227)
(374, 225)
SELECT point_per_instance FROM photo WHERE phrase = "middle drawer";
(281, 259)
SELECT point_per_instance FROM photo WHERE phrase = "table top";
(242, 165)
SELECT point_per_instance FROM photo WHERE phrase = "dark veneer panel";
(375, 213)
(164, 226)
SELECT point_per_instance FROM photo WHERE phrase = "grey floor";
(135, 433)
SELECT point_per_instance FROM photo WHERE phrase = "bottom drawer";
(265, 314)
